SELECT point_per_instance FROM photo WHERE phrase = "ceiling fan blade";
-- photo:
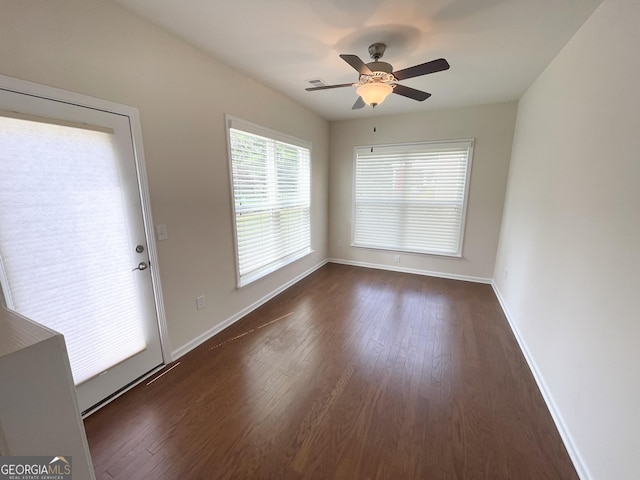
(356, 63)
(327, 87)
(359, 104)
(422, 69)
(412, 93)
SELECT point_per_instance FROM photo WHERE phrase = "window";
(412, 197)
(270, 176)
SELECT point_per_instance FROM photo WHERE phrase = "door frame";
(132, 113)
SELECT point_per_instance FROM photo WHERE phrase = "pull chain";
(372, 134)
(374, 128)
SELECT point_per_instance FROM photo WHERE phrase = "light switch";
(161, 232)
(200, 302)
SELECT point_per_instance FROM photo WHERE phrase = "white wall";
(40, 416)
(570, 239)
(491, 125)
(96, 48)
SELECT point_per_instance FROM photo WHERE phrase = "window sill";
(257, 275)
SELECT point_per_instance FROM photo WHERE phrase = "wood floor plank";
(351, 373)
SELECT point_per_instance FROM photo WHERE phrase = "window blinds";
(64, 242)
(412, 197)
(271, 193)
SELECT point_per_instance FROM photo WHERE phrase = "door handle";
(141, 266)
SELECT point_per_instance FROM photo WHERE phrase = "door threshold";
(117, 393)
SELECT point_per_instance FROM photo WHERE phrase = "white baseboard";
(576, 458)
(451, 276)
(200, 339)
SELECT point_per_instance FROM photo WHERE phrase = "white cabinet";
(39, 412)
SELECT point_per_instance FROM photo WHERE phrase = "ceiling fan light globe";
(374, 93)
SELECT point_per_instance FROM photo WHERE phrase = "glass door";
(73, 247)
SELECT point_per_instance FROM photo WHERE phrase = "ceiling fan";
(377, 79)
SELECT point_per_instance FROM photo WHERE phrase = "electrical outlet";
(339, 243)
(397, 258)
(506, 274)
(200, 302)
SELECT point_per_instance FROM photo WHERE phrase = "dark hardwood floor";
(350, 374)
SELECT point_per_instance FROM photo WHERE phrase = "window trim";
(407, 146)
(253, 128)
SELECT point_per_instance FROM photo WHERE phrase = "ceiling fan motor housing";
(380, 67)
(376, 51)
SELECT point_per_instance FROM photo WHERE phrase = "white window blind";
(412, 197)
(270, 175)
(60, 189)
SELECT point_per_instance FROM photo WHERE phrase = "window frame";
(403, 148)
(232, 122)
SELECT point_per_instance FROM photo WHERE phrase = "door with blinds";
(74, 254)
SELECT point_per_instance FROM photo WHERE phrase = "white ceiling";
(496, 48)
